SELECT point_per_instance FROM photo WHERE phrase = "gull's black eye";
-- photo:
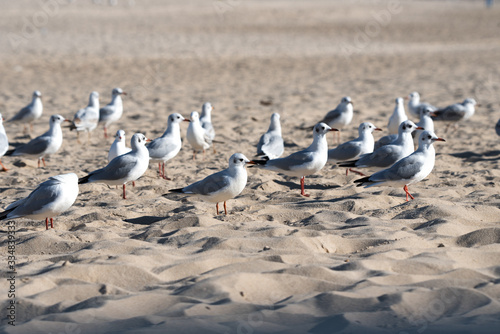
(178, 117)
(322, 128)
(241, 160)
(404, 127)
(429, 137)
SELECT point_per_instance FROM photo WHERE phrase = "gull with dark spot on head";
(341, 116)
(113, 111)
(197, 136)
(409, 170)
(118, 147)
(456, 112)
(221, 186)
(414, 104)
(30, 113)
(303, 163)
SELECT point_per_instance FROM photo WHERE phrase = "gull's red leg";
(405, 188)
(3, 167)
(43, 160)
(159, 169)
(217, 208)
(52, 222)
(47, 223)
(225, 208)
(357, 172)
(302, 192)
(124, 194)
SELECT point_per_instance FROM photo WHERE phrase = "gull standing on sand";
(86, 119)
(31, 112)
(124, 168)
(4, 143)
(341, 116)
(48, 200)
(425, 123)
(221, 186)
(387, 155)
(353, 149)
(409, 170)
(43, 145)
(397, 117)
(196, 135)
(456, 112)
(206, 122)
(118, 147)
(271, 144)
(113, 110)
(414, 104)
(305, 162)
(168, 145)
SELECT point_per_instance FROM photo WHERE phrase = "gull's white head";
(346, 100)
(426, 112)
(176, 118)
(399, 101)
(206, 108)
(118, 91)
(56, 120)
(37, 94)
(408, 126)
(195, 117)
(414, 96)
(120, 135)
(470, 101)
(321, 129)
(428, 138)
(367, 127)
(238, 159)
(138, 140)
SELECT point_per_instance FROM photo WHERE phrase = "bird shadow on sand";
(145, 220)
(296, 185)
(476, 157)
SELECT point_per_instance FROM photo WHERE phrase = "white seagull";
(44, 145)
(271, 144)
(397, 117)
(196, 135)
(341, 116)
(206, 122)
(118, 147)
(113, 110)
(456, 112)
(48, 200)
(86, 119)
(305, 162)
(425, 123)
(409, 170)
(414, 104)
(355, 148)
(387, 155)
(4, 143)
(124, 168)
(31, 112)
(221, 186)
(168, 145)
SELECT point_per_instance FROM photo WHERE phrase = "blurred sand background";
(344, 260)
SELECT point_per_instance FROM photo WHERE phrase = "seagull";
(221, 186)
(196, 135)
(48, 200)
(341, 116)
(43, 145)
(118, 147)
(353, 149)
(271, 145)
(456, 112)
(414, 104)
(305, 162)
(124, 168)
(4, 143)
(409, 170)
(206, 122)
(425, 122)
(86, 119)
(497, 127)
(168, 145)
(31, 112)
(113, 110)
(388, 155)
(397, 116)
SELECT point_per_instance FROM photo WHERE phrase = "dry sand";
(344, 260)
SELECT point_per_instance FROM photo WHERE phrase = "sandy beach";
(345, 260)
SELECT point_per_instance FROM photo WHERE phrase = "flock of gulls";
(393, 158)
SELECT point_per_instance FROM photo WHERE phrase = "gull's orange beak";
(148, 140)
(333, 129)
(440, 139)
(186, 120)
(378, 129)
(124, 93)
(419, 128)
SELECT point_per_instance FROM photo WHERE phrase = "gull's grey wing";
(404, 169)
(33, 147)
(105, 112)
(294, 160)
(345, 151)
(455, 112)
(43, 195)
(382, 157)
(160, 147)
(385, 140)
(209, 185)
(209, 131)
(117, 168)
(331, 116)
(21, 114)
(270, 143)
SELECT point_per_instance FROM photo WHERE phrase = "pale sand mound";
(345, 260)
